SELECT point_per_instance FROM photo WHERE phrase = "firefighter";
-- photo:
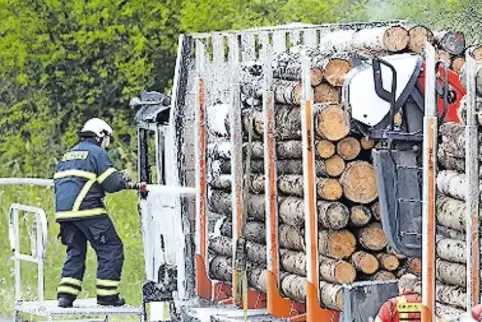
(407, 286)
(82, 177)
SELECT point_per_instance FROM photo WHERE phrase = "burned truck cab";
(384, 97)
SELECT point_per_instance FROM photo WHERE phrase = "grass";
(122, 208)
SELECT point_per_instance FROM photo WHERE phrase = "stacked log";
(351, 243)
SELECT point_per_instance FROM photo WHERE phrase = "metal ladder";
(38, 246)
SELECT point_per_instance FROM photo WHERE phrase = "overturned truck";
(305, 145)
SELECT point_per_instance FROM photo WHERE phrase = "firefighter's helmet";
(96, 127)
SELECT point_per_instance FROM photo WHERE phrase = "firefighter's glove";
(125, 176)
(132, 185)
(142, 186)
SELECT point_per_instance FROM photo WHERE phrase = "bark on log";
(478, 78)
(336, 244)
(329, 189)
(285, 150)
(453, 136)
(365, 262)
(337, 68)
(291, 237)
(331, 122)
(372, 237)
(450, 273)
(450, 213)
(287, 65)
(291, 211)
(285, 92)
(452, 184)
(221, 182)
(223, 246)
(220, 268)
(359, 182)
(287, 123)
(336, 271)
(332, 215)
(388, 262)
(450, 41)
(255, 231)
(450, 295)
(376, 211)
(366, 143)
(359, 216)
(445, 232)
(383, 276)
(293, 262)
(220, 202)
(325, 149)
(221, 150)
(419, 35)
(393, 39)
(326, 93)
(294, 287)
(331, 296)
(451, 250)
(447, 313)
(348, 148)
(283, 166)
(462, 108)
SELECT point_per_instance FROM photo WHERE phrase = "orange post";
(203, 284)
(313, 310)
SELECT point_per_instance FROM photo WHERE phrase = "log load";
(419, 35)
(372, 237)
(365, 262)
(336, 244)
(324, 149)
(359, 216)
(388, 262)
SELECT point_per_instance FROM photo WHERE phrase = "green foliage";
(123, 209)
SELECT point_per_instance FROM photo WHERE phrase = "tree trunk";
(291, 237)
(221, 182)
(322, 167)
(221, 150)
(388, 262)
(287, 120)
(452, 184)
(331, 122)
(332, 215)
(450, 213)
(326, 93)
(376, 211)
(285, 150)
(333, 166)
(453, 137)
(359, 182)
(414, 265)
(336, 244)
(293, 262)
(348, 148)
(285, 92)
(365, 262)
(462, 108)
(287, 65)
(254, 278)
(220, 268)
(447, 313)
(291, 211)
(393, 39)
(452, 250)
(331, 295)
(383, 276)
(254, 230)
(294, 287)
(372, 237)
(325, 149)
(220, 202)
(223, 246)
(292, 185)
(419, 35)
(256, 253)
(478, 78)
(451, 295)
(336, 271)
(339, 65)
(359, 216)
(450, 273)
(450, 41)
(457, 64)
(445, 232)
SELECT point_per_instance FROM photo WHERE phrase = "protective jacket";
(82, 177)
(401, 308)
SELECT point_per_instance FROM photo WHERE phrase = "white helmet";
(99, 128)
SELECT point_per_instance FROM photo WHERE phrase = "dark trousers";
(102, 236)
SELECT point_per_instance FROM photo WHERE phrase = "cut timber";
(223, 246)
(457, 64)
(254, 230)
(325, 149)
(329, 189)
(336, 244)
(359, 216)
(220, 202)
(452, 250)
(331, 295)
(284, 150)
(291, 211)
(348, 148)
(337, 68)
(365, 262)
(257, 183)
(450, 273)
(419, 35)
(452, 184)
(293, 262)
(478, 78)
(220, 268)
(221, 182)
(414, 265)
(326, 93)
(450, 213)
(287, 65)
(445, 232)
(372, 237)
(366, 143)
(221, 150)
(451, 295)
(333, 166)
(388, 262)
(291, 237)
(383, 276)
(254, 278)
(287, 92)
(451, 42)
(283, 166)
(376, 211)
(393, 39)
(447, 313)
(287, 120)
(359, 182)
(453, 136)
(333, 215)
(336, 271)
(462, 108)
(294, 287)
(331, 122)
(393, 252)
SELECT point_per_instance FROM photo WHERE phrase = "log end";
(365, 262)
(359, 182)
(336, 69)
(372, 237)
(325, 149)
(383, 276)
(330, 189)
(359, 216)
(348, 148)
(342, 244)
(334, 165)
(419, 35)
(326, 93)
(396, 38)
(332, 122)
(345, 273)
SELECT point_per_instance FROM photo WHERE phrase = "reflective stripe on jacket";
(82, 177)
(389, 310)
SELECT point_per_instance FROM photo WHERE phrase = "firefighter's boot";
(114, 300)
(65, 302)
